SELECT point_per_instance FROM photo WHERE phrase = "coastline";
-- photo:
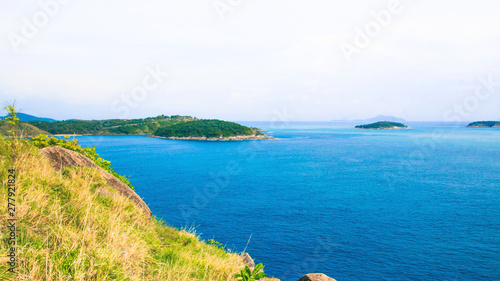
(233, 138)
(90, 135)
(392, 128)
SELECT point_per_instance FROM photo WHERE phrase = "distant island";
(170, 127)
(26, 117)
(484, 124)
(378, 118)
(383, 125)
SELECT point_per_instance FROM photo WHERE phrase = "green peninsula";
(171, 127)
(484, 124)
(383, 125)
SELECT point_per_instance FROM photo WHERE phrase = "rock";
(315, 277)
(61, 157)
(247, 259)
(233, 138)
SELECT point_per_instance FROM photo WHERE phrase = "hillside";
(68, 229)
(26, 118)
(484, 124)
(160, 126)
(384, 125)
(110, 127)
(206, 129)
(24, 129)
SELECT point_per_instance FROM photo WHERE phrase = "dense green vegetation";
(205, 128)
(382, 125)
(488, 124)
(163, 126)
(110, 127)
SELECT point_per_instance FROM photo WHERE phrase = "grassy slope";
(25, 129)
(110, 127)
(68, 232)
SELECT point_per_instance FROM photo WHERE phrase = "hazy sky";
(252, 60)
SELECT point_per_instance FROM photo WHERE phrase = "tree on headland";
(12, 119)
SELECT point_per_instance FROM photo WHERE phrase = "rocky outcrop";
(61, 157)
(316, 277)
(247, 259)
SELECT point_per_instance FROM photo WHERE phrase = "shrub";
(248, 275)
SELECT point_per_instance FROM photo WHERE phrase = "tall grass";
(67, 231)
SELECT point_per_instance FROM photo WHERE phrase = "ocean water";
(420, 204)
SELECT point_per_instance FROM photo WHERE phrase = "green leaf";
(257, 268)
(247, 271)
(260, 275)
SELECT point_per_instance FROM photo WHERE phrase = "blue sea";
(419, 204)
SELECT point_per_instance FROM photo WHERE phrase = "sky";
(239, 60)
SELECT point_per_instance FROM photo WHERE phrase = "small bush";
(249, 275)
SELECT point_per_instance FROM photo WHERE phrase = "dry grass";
(68, 232)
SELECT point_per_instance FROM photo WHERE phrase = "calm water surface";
(421, 204)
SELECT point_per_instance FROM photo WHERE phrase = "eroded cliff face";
(60, 158)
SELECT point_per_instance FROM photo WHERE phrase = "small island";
(383, 125)
(484, 124)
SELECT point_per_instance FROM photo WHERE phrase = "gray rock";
(61, 157)
(315, 277)
(247, 259)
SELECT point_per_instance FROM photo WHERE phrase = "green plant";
(248, 275)
(216, 244)
(42, 141)
(12, 119)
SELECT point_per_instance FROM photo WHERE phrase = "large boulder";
(61, 157)
(315, 277)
